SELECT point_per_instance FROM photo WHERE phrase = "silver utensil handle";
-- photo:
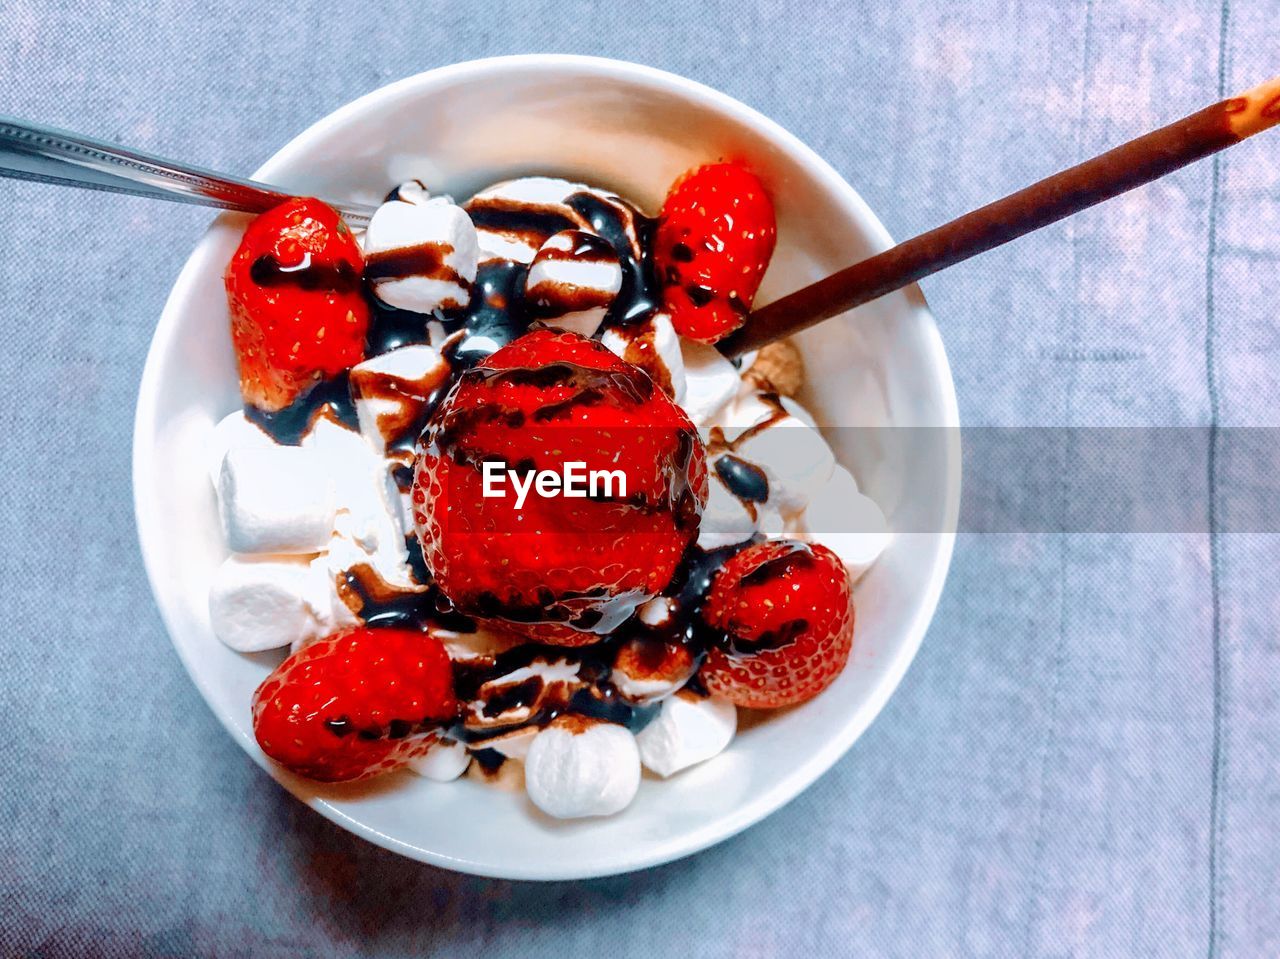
(30, 151)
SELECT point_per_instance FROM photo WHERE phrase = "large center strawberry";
(557, 568)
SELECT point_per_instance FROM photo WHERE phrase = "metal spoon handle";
(30, 151)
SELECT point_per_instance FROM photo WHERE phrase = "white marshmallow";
(769, 522)
(277, 499)
(329, 566)
(514, 744)
(444, 762)
(541, 193)
(726, 519)
(847, 522)
(712, 381)
(643, 690)
(533, 190)
(570, 269)
(368, 501)
(437, 230)
(744, 411)
(654, 346)
(798, 411)
(657, 612)
(391, 391)
(578, 768)
(234, 431)
(556, 674)
(689, 730)
(413, 191)
(795, 458)
(483, 644)
(646, 669)
(264, 602)
(345, 553)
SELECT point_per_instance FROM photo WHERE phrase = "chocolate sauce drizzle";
(429, 260)
(639, 296)
(744, 480)
(337, 278)
(551, 297)
(288, 426)
(495, 316)
(593, 696)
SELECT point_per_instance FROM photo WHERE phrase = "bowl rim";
(800, 777)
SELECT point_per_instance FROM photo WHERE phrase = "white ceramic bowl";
(633, 129)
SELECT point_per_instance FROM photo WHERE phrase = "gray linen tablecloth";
(1081, 762)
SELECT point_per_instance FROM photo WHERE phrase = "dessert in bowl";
(436, 343)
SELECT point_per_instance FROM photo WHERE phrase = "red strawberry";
(355, 704)
(297, 312)
(715, 235)
(782, 614)
(560, 569)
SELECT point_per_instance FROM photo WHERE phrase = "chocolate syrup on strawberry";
(778, 638)
(626, 385)
(341, 277)
(797, 556)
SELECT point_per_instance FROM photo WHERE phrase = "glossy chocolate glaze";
(428, 260)
(391, 328)
(288, 427)
(639, 297)
(535, 700)
(744, 480)
(495, 316)
(267, 271)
